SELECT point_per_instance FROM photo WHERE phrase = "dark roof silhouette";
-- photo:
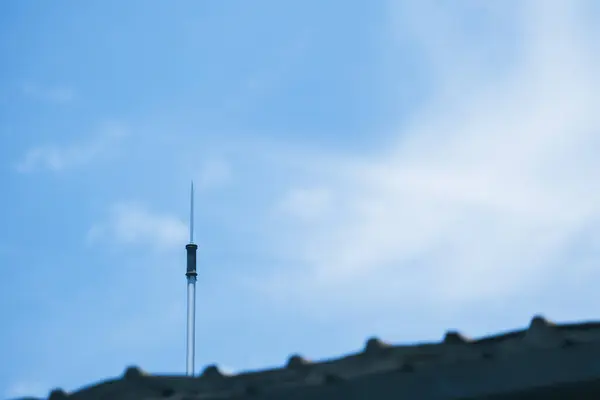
(544, 358)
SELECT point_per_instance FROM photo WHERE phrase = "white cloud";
(26, 389)
(132, 223)
(483, 192)
(58, 94)
(306, 204)
(57, 158)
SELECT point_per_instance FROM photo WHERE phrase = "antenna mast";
(191, 291)
(192, 213)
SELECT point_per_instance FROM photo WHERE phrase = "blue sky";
(387, 168)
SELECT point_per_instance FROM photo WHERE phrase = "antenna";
(192, 213)
(191, 291)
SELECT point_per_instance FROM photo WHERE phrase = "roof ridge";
(376, 357)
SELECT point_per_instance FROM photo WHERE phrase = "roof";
(541, 355)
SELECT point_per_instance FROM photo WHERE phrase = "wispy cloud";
(132, 223)
(26, 389)
(55, 94)
(57, 157)
(306, 204)
(486, 190)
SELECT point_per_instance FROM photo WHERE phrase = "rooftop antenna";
(191, 291)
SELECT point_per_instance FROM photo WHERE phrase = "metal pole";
(191, 292)
(191, 324)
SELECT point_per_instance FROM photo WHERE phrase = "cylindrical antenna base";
(191, 258)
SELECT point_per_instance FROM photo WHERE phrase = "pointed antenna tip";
(192, 213)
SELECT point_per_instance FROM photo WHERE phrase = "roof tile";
(58, 394)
